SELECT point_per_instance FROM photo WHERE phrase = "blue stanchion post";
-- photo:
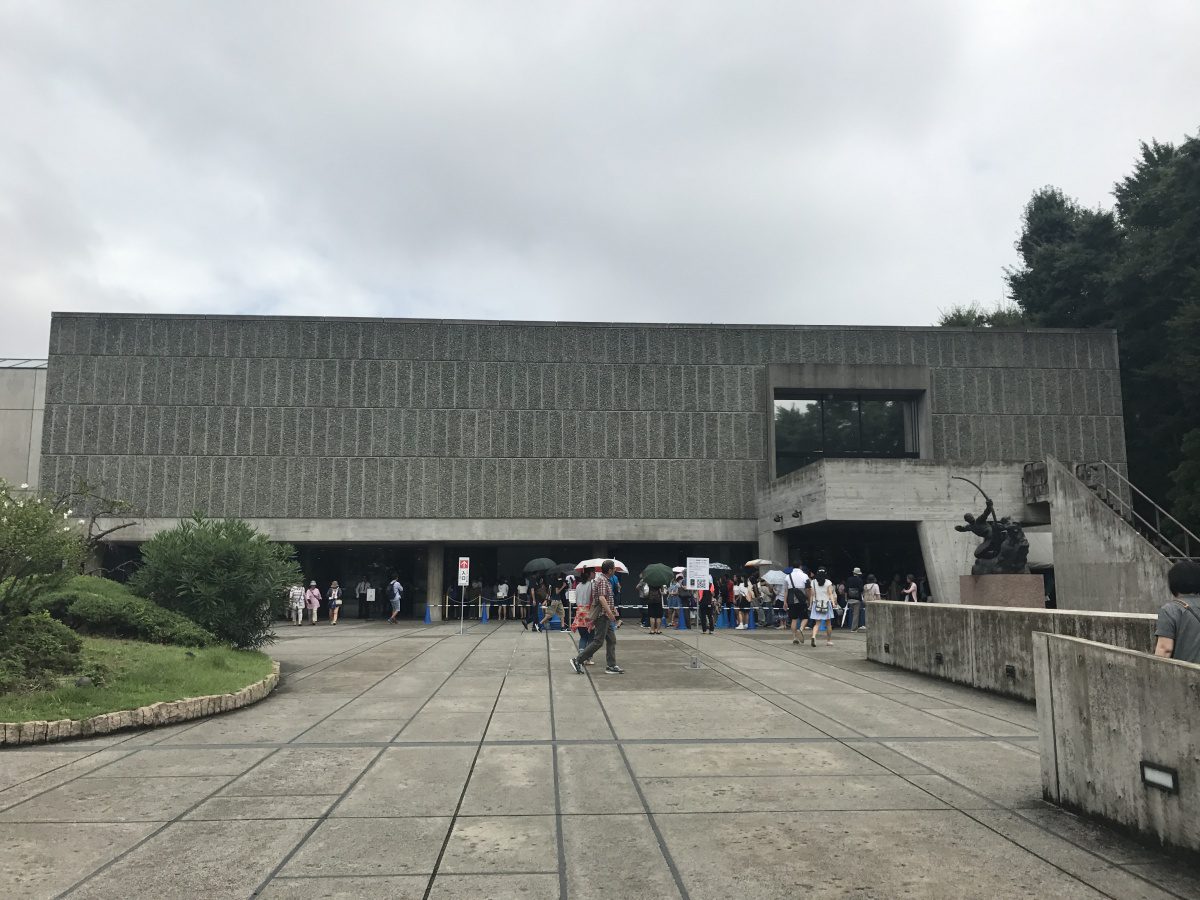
(752, 618)
(428, 618)
(682, 625)
(483, 610)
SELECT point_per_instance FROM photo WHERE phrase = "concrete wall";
(1104, 710)
(977, 642)
(22, 399)
(341, 419)
(1100, 561)
(895, 490)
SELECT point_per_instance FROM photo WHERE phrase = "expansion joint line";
(324, 817)
(558, 813)
(470, 771)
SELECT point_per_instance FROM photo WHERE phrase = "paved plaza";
(412, 762)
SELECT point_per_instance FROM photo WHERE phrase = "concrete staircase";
(1164, 532)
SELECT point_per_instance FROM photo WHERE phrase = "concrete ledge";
(1102, 712)
(170, 712)
(978, 643)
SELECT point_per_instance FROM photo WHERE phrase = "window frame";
(912, 412)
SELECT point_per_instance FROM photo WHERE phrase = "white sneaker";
(862, 628)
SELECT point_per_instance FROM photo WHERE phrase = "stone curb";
(169, 712)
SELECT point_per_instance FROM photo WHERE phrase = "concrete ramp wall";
(1102, 712)
(977, 644)
(1100, 561)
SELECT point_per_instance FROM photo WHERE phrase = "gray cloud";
(768, 162)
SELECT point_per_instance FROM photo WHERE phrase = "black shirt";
(854, 588)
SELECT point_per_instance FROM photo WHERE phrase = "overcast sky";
(858, 163)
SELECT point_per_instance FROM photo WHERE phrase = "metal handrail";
(1128, 512)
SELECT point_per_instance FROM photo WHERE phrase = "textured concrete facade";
(344, 419)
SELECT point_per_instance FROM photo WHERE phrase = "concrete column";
(434, 567)
(773, 545)
(948, 554)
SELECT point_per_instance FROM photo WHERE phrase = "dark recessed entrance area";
(886, 550)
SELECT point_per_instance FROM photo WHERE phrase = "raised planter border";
(166, 712)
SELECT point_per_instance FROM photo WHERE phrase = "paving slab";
(501, 844)
(354, 847)
(495, 887)
(785, 792)
(303, 770)
(101, 799)
(40, 860)
(615, 856)
(1006, 774)
(595, 780)
(384, 887)
(410, 781)
(511, 781)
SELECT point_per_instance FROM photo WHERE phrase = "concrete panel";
(1107, 710)
(977, 643)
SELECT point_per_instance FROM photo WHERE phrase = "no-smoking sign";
(464, 571)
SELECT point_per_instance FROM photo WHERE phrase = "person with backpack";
(1177, 631)
(854, 600)
(824, 605)
(798, 590)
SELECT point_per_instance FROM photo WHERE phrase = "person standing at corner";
(395, 597)
(854, 597)
(335, 602)
(312, 601)
(1177, 631)
(604, 617)
(360, 592)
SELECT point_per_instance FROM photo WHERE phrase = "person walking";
(395, 597)
(335, 602)
(296, 604)
(582, 623)
(604, 617)
(739, 599)
(798, 589)
(312, 601)
(855, 587)
(360, 593)
(555, 606)
(824, 605)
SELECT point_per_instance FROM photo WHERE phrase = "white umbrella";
(679, 570)
(775, 577)
(595, 564)
(761, 562)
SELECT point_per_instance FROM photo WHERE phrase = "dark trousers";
(707, 619)
(585, 637)
(603, 635)
(362, 606)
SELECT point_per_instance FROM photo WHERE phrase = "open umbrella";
(561, 569)
(595, 564)
(657, 575)
(775, 577)
(718, 567)
(539, 566)
(679, 570)
(760, 562)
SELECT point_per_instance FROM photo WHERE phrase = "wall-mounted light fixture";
(778, 517)
(1161, 777)
(795, 513)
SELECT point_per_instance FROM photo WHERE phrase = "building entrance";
(889, 551)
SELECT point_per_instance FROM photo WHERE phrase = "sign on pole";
(464, 571)
(696, 576)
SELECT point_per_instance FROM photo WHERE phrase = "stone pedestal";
(1023, 591)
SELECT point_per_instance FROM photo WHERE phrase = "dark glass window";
(808, 428)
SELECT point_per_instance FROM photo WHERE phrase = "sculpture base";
(1024, 591)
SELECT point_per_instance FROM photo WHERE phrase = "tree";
(1135, 269)
(976, 315)
(40, 546)
(222, 574)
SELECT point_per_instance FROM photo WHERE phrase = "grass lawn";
(138, 675)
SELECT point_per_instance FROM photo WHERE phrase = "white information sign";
(464, 571)
(696, 576)
(370, 595)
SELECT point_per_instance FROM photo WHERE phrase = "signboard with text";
(696, 574)
(464, 571)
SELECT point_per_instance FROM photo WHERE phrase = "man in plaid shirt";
(604, 629)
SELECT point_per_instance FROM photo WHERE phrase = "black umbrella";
(562, 569)
(538, 566)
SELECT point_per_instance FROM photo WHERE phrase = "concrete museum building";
(399, 445)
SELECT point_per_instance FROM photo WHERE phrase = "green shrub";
(108, 609)
(40, 545)
(220, 573)
(35, 649)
